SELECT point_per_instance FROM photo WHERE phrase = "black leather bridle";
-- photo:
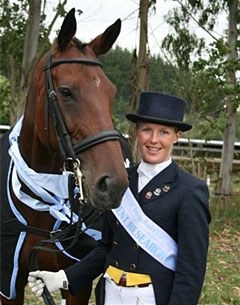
(66, 148)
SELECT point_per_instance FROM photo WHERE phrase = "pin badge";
(166, 188)
(157, 192)
(148, 195)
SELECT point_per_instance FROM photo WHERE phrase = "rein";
(69, 153)
(61, 236)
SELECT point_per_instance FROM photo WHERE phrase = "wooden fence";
(204, 158)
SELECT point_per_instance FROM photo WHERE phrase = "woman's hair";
(175, 127)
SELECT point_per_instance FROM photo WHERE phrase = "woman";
(154, 246)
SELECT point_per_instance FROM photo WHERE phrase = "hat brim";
(143, 118)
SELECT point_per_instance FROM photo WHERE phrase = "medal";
(148, 195)
(157, 192)
(166, 188)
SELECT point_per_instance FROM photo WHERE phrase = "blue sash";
(148, 235)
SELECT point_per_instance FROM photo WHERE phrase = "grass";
(222, 282)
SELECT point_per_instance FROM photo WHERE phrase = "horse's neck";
(36, 155)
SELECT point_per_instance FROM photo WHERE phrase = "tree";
(232, 100)
(117, 65)
(141, 68)
(21, 26)
(219, 68)
(12, 29)
(5, 98)
(29, 54)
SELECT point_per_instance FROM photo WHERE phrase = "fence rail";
(204, 156)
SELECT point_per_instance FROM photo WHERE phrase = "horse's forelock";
(80, 45)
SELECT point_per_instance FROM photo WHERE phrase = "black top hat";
(160, 108)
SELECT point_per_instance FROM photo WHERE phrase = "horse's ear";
(68, 30)
(103, 42)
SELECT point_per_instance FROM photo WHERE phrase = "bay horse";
(64, 146)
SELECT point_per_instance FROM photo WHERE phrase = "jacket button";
(117, 223)
(135, 246)
(115, 243)
(116, 264)
(133, 267)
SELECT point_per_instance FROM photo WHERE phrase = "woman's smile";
(156, 141)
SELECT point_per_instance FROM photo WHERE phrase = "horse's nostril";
(109, 190)
(103, 184)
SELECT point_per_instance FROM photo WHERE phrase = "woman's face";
(156, 141)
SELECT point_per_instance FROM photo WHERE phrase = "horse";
(63, 147)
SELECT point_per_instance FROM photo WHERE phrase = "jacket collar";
(157, 187)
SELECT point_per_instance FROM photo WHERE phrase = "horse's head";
(73, 114)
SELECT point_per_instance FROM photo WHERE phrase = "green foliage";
(203, 70)
(12, 34)
(13, 21)
(5, 100)
(161, 75)
(117, 65)
(182, 44)
(189, 73)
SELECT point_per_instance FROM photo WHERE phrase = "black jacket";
(182, 211)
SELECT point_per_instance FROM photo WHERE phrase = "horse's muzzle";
(108, 193)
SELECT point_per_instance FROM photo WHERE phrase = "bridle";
(68, 151)
(66, 148)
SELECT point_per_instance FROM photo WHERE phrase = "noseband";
(67, 149)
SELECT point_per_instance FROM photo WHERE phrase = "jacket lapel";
(160, 185)
(133, 180)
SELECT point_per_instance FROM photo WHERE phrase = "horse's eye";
(65, 92)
